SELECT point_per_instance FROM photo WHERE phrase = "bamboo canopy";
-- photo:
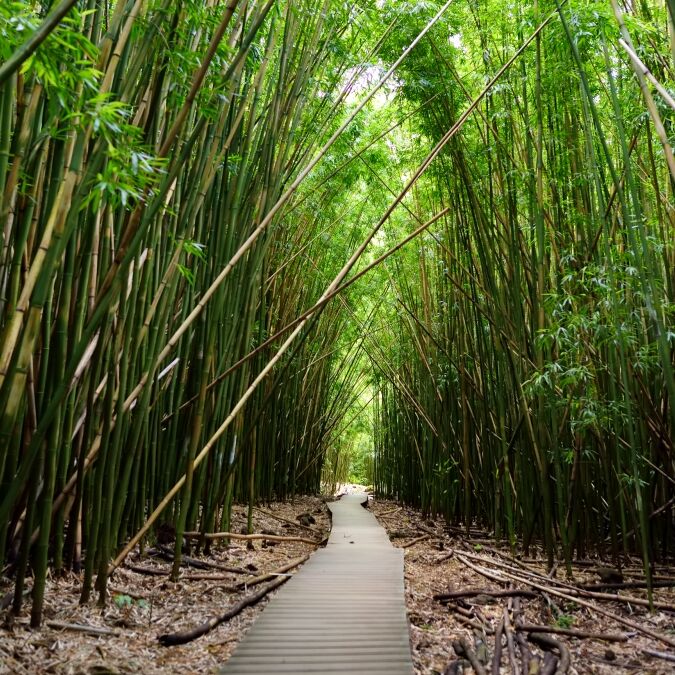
(244, 242)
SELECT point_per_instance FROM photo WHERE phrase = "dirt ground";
(143, 606)
(446, 561)
(438, 560)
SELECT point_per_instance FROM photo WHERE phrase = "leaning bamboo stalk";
(646, 94)
(51, 22)
(332, 287)
(244, 248)
(210, 292)
(648, 74)
(420, 171)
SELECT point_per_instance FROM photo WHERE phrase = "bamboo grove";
(146, 147)
(529, 385)
(231, 232)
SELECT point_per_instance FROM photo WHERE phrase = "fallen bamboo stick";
(573, 598)
(424, 537)
(83, 628)
(666, 656)
(250, 537)
(547, 642)
(497, 656)
(269, 575)
(462, 649)
(572, 632)
(573, 590)
(509, 593)
(286, 520)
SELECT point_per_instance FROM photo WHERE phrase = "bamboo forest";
(252, 251)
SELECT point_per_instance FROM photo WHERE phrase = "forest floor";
(144, 604)
(438, 560)
(442, 560)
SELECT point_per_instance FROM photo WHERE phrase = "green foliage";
(564, 621)
(361, 459)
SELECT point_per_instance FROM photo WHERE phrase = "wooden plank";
(343, 612)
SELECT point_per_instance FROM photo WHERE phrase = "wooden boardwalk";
(343, 612)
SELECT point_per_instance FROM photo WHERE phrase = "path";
(343, 612)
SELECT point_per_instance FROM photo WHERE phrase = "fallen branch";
(251, 537)
(509, 593)
(627, 584)
(463, 650)
(388, 513)
(286, 520)
(476, 625)
(508, 631)
(152, 571)
(547, 642)
(183, 637)
(166, 553)
(82, 628)
(575, 598)
(424, 537)
(659, 655)
(550, 664)
(187, 561)
(570, 589)
(426, 529)
(580, 634)
(497, 656)
(269, 575)
(525, 653)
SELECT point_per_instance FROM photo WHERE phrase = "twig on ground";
(580, 601)
(424, 537)
(525, 653)
(666, 656)
(570, 589)
(572, 632)
(287, 521)
(82, 628)
(497, 656)
(626, 585)
(269, 575)
(476, 625)
(547, 642)
(187, 561)
(508, 593)
(152, 571)
(462, 649)
(509, 641)
(252, 537)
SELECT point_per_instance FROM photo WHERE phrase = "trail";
(344, 612)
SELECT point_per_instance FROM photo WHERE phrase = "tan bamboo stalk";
(209, 293)
(647, 73)
(646, 94)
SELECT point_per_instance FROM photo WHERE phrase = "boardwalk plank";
(343, 612)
